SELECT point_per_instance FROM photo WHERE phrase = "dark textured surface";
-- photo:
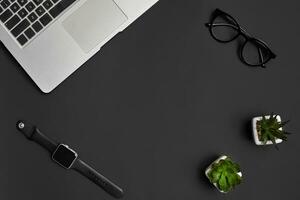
(157, 105)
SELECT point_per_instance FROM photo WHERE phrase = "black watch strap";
(87, 171)
(33, 133)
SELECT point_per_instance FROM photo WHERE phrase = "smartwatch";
(67, 158)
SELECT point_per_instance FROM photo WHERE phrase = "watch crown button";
(21, 125)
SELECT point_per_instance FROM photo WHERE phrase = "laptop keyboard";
(26, 18)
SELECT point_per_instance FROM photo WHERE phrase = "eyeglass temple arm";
(261, 58)
(229, 25)
(221, 24)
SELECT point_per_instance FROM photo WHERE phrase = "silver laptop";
(52, 38)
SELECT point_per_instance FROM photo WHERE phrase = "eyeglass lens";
(254, 53)
(224, 28)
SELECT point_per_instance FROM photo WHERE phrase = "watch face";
(64, 156)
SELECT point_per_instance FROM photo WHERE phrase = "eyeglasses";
(224, 28)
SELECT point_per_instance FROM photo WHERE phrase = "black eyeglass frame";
(240, 32)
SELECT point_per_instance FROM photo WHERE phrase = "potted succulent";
(269, 130)
(224, 174)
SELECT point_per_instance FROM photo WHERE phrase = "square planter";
(209, 168)
(255, 132)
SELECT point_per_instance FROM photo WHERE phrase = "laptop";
(52, 38)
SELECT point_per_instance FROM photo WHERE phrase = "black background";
(157, 105)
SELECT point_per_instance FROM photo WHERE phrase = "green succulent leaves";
(270, 129)
(225, 174)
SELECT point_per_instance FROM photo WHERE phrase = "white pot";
(209, 168)
(255, 133)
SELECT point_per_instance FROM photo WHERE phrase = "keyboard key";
(22, 39)
(20, 27)
(6, 15)
(45, 19)
(38, 2)
(32, 17)
(40, 11)
(60, 7)
(1, 9)
(5, 3)
(47, 4)
(29, 33)
(37, 26)
(12, 22)
(30, 6)
(22, 13)
(15, 7)
(22, 2)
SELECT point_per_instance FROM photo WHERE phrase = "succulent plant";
(270, 129)
(225, 174)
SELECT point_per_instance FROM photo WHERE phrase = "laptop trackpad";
(93, 22)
